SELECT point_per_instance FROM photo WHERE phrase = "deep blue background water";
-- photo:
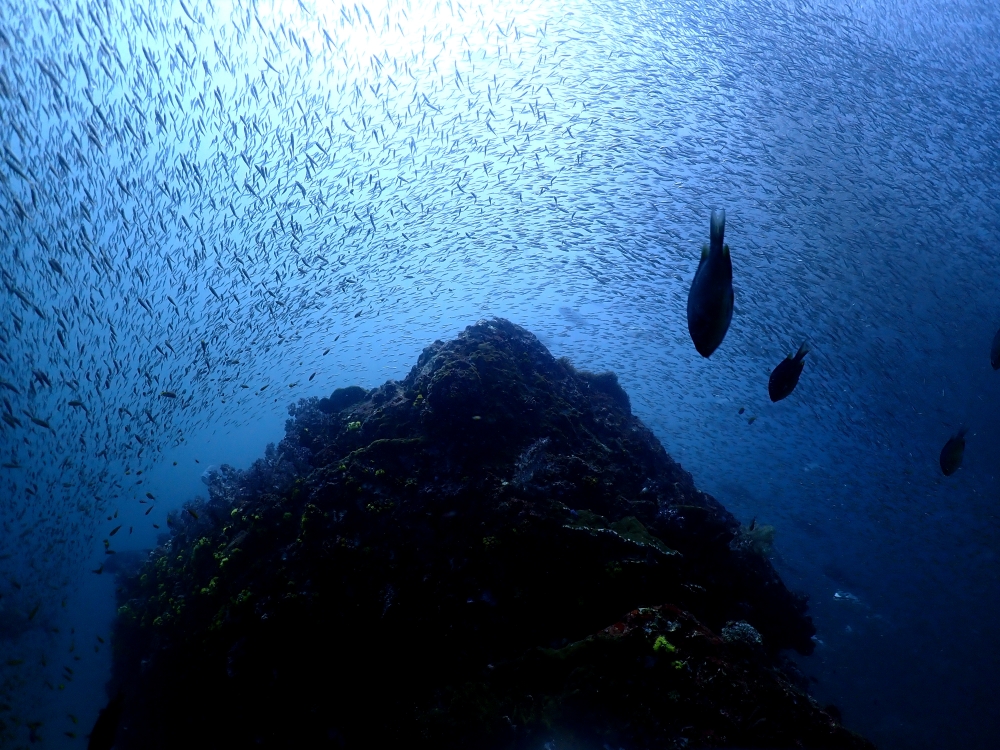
(366, 179)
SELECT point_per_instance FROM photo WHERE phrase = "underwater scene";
(543, 374)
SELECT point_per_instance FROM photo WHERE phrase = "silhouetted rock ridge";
(492, 552)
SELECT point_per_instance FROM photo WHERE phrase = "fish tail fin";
(718, 225)
(802, 352)
(961, 432)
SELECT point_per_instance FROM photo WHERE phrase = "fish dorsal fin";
(704, 252)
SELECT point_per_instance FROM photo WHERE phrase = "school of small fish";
(177, 207)
(193, 194)
(201, 201)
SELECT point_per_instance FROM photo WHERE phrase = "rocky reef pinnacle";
(491, 553)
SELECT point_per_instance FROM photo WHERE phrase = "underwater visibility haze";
(227, 226)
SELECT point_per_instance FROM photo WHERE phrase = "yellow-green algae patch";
(628, 528)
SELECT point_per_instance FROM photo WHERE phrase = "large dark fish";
(710, 301)
(102, 736)
(951, 454)
(995, 352)
(785, 376)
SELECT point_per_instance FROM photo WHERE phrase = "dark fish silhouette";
(102, 736)
(951, 454)
(995, 352)
(710, 301)
(785, 376)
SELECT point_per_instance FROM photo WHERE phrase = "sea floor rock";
(492, 552)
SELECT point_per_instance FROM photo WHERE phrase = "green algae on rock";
(629, 528)
(483, 554)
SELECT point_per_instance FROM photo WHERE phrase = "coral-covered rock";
(656, 679)
(410, 562)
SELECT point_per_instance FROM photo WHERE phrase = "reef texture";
(491, 553)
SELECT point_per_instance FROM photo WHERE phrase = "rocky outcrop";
(492, 552)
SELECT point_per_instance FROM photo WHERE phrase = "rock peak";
(496, 525)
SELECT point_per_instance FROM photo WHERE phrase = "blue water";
(204, 195)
